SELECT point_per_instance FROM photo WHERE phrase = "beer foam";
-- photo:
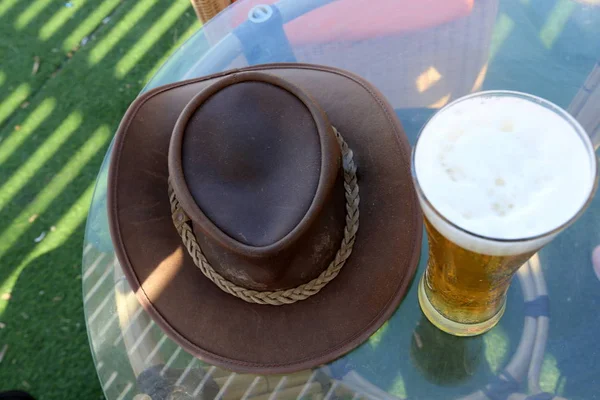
(502, 167)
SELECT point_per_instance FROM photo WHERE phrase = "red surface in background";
(351, 20)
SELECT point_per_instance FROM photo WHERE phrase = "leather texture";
(263, 190)
(255, 165)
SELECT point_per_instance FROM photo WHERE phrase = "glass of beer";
(498, 174)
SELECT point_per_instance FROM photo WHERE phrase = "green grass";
(55, 127)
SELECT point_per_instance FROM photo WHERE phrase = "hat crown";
(251, 159)
(256, 167)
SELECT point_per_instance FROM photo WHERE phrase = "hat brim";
(226, 331)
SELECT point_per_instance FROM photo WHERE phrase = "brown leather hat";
(265, 217)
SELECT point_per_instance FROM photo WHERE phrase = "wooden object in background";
(206, 9)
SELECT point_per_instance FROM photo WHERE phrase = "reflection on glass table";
(420, 59)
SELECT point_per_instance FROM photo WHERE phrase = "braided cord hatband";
(287, 296)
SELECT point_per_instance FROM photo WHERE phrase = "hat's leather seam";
(149, 307)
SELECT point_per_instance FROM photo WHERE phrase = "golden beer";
(498, 176)
(465, 286)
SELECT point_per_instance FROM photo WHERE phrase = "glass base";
(453, 327)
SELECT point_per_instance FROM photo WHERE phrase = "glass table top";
(421, 55)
